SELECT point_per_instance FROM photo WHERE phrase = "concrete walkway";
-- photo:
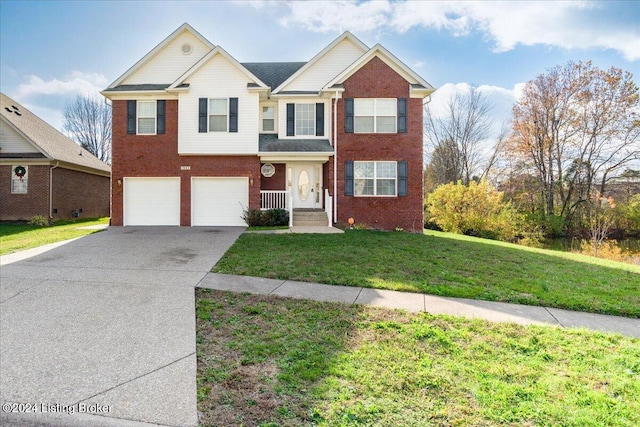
(100, 330)
(488, 310)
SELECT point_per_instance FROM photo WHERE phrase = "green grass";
(17, 237)
(269, 361)
(441, 264)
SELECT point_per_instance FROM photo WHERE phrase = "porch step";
(310, 218)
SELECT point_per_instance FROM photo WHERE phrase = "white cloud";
(76, 83)
(565, 24)
(501, 99)
(419, 64)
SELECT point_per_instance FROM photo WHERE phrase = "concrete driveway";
(102, 329)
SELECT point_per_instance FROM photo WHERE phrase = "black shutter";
(348, 178)
(202, 114)
(291, 119)
(160, 116)
(233, 114)
(131, 117)
(403, 175)
(348, 115)
(402, 115)
(319, 119)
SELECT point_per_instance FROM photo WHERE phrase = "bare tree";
(456, 137)
(576, 126)
(87, 120)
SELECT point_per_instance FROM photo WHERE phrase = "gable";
(419, 88)
(219, 75)
(12, 141)
(376, 79)
(334, 58)
(170, 62)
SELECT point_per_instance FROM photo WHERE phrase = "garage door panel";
(152, 201)
(218, 201)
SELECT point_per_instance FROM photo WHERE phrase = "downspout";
(51, 189)
(335, 159)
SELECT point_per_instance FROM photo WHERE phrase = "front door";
(306, 186)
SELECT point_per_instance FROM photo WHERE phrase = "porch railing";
(328, 206)
(274, 199)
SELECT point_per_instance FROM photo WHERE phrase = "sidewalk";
(474, 309)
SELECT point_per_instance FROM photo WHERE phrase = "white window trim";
(375, 178)
(313, 121)
(209, 116)
(375, 116)
(275, 118)
(139, 116)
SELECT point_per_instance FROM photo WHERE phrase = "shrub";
(475, 210)
(268, 218)
(39, 221)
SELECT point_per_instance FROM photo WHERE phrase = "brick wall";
(278, 181)
(378, 80)
(73, 190)
(157, 155)
(15, 207)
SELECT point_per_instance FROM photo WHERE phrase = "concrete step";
(309, 218)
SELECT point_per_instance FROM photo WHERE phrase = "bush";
(268, 218)
(475, 210)
(39, 221)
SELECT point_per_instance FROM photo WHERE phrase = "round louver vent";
(186, 48)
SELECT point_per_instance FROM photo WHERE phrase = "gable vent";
(186, 49)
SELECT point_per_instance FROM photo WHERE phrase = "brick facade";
(157, 156)
(377, 80)
(20, 207)
(78, 191)
(72, 190)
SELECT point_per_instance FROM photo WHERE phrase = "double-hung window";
(375, 115)
(146, 117)
(218, 117)
(375, 178)
(305, 119)
(268, 118)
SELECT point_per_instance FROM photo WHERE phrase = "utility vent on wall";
(186, 48)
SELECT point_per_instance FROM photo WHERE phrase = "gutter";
(335, 159)
(51, 189)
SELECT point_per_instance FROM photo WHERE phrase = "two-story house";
(198, 136)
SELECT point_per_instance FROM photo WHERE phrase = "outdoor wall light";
(119, 183)
(251, 181)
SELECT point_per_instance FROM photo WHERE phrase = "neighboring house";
(42, 172)
(198, 136)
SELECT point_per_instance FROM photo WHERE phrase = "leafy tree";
(88, 122)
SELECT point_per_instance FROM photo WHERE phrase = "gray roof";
(270, 143)
(123, 88)
(46, 137)
(273, 74)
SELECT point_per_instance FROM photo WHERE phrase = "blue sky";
(51, 51)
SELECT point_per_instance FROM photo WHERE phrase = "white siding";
(327, 67)
(218, 78)
(170, 63)
(282, 116)
(12, 142)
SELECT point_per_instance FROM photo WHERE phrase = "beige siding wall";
(219, 78)
(170, 63)
(326, 68)
(12, 142)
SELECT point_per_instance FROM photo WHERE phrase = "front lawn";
(269, 361)
(441, 264)
(17, 237)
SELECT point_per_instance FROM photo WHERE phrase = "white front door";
(307, 186)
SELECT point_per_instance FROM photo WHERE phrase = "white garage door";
(218, 201)
(152, 201)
